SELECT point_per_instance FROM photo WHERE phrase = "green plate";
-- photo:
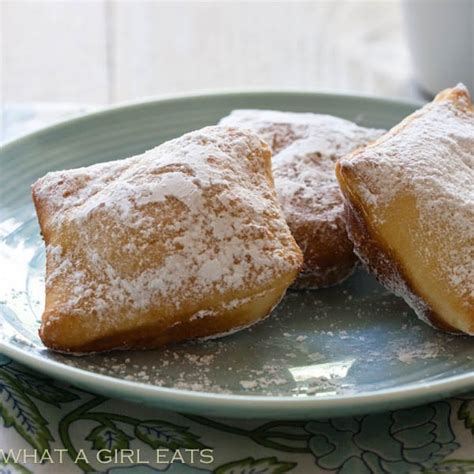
(346, 350)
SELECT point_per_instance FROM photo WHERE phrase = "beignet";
(410, 209)
(305, 148)
(184, 241)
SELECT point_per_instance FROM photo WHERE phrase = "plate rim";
(209, 93)
(222, 403)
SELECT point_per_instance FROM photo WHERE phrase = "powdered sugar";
(306, 147)
(428, 350)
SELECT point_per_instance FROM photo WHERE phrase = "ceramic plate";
(346, 350)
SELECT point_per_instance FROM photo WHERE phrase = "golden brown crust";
(66, 332)
(328, 253)
(399, 229)
(377, 257)
(185, 241)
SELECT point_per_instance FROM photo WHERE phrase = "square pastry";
(305, 149)
(184, 241)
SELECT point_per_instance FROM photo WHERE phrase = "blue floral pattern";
(394, 442)
(43, 415)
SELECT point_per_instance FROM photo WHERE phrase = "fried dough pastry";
(410, 209)
(305, 148)
(184, 241)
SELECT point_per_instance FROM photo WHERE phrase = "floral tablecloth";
(52, 427)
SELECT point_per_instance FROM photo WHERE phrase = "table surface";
(69, 427)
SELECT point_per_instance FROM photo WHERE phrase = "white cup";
(440, 36)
